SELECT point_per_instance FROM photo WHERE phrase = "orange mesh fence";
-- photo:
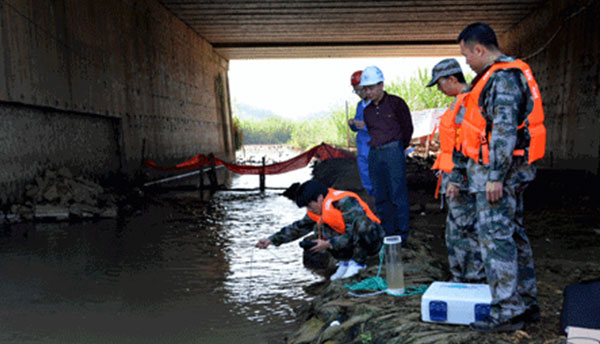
(321, 152)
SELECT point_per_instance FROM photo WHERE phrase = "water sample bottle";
(393, 264)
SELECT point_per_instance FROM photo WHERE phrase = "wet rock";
(415, 208)
(31, 191)
(51, 194)
(41, 182)
(84, 210)
(81, 193)
(64, 172)
(50, 175)
(109, 213)
(57, 195)
(49, 211)
(309, 331)
(432, 207)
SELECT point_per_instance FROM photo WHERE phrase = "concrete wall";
(561, 42)
(90, 85)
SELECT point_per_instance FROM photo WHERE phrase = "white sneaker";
(353, 268)
(341, 270)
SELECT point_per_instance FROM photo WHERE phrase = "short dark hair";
(459, 77)
(480, 33)
(291, 192)
(309, 191)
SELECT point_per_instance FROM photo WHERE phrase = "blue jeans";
(387, 169)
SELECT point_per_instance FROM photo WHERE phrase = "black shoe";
(489, 325)
(532, 314)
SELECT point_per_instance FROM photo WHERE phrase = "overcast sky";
(299, 87)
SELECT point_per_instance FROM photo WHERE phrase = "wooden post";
(261, 176)
(212, 175)
(201, 184)
(347, 128)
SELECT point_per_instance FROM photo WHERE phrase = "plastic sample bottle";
(393, 264)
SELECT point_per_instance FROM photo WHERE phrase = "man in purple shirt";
(390, 126)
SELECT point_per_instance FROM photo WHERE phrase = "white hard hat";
(371, 76)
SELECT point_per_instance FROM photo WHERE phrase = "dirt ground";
(562, 218)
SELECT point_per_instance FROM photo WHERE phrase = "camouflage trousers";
(462, 241)
(367, 241)
(506, 253)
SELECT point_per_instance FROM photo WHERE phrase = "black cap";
(309, 191)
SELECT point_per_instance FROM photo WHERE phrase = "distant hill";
(245, 111)
(314, 115)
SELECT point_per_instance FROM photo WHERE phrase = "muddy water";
(180, 271)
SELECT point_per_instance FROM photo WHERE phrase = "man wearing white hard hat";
(390, 126)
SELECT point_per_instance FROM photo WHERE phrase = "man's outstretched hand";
(263, 243)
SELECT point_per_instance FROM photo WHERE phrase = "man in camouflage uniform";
(362, 236)
(498, 186)
(464, 255)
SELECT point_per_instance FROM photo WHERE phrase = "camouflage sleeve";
(502, 105)
(354, 215)
(294, 231)
(459, 172)
(457, 176)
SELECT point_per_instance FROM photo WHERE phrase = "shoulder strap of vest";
(460, 98)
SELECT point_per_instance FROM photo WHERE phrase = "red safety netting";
(321, 152)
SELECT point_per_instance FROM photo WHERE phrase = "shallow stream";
(161, 276)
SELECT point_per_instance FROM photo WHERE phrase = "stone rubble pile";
(58, 195)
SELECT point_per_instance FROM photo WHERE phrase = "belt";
(387, 145)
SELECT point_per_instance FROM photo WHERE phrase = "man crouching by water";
(343, 223)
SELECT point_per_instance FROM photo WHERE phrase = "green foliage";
(334, 128)
(313, 132)
(238, 134)
(304, 134)
(266, 131)
(366, 337)
(417, 96)
(340, 121)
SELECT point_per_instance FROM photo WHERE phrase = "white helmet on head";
(371, 76)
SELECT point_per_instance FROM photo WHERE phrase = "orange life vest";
(449, 136)
(475, 138)
(449, 140)
(332, 216)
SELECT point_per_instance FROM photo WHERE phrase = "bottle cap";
(391, 240)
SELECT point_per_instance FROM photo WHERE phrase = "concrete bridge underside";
(97, 86)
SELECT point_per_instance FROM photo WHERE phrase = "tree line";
(333, 128)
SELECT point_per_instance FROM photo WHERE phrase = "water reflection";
(264, 283)
(164, 276)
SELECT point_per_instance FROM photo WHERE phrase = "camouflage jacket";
(354, 218)
(505, 101)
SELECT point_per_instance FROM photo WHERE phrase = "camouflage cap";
(444, 68)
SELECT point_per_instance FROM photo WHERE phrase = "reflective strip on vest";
(475, 140)
(332, 216)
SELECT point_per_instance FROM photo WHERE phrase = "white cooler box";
(455, 303)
